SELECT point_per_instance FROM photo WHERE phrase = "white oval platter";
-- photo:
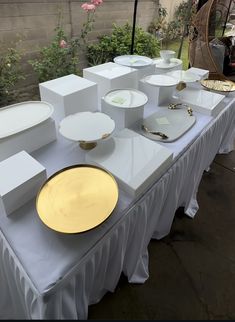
(126, 98)
(21, 116)
(87, 127)
(135, 61)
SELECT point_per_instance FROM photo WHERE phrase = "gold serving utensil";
(162, 135)
(174, 106)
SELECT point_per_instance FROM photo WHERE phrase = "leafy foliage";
(60, 58)
(10, 74)
(119, 43)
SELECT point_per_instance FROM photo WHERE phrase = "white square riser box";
(157, 95)
(122, 117)
(29, 140)
(69, 95)
(111, 76)
(21, 178)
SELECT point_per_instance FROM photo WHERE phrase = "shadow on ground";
(192, 270)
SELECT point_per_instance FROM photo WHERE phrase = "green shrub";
(119, 43)
(60, 58)
(10, 74)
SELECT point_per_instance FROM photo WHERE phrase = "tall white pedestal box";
(69, 94)
(110, 76)
(158, 88)
(21, 178)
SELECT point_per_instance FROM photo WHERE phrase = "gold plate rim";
(68, 168)
(218, 90)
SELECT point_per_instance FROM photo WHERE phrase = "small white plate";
(19, 117)
(173, 123)
(86, 127)
(135, 61)
(126, 98)
(161, 80)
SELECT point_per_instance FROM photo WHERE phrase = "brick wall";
(33, 22)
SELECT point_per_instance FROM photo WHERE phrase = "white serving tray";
(134, 61)
(19, 117)
(135, 161)
(202, 101)
(173, 123)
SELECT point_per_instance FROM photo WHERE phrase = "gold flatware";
(162, 135)
(174, 106)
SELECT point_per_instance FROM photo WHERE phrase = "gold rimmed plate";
(219, 85)
(77, 198)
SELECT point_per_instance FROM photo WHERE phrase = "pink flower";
(63, 44)
(97, 2)
(88, 7)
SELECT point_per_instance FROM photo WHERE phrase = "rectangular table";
(48, 275)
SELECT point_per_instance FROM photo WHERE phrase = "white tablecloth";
(48, 275)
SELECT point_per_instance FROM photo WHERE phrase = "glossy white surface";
(108, 70)
(19, 117)
(21, 177)
(135, 161)
(202, 101)
(166, 55)
(69, 94)
(126, 98)
(86, 126)
(184, 76)
(161, 80)
(160, 63)
(134, 61)
(202, 73)
(29, 140)
(173, 123)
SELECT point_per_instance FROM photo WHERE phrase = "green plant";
(61, 57)
(10, 74)
(158, 26)
(119, 43)
(58, 59)
(182, 16)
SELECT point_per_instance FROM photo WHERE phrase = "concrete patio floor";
(192, 270)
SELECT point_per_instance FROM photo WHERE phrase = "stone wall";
(30, 24)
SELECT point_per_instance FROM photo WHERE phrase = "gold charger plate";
(77, 198)
(219, 85)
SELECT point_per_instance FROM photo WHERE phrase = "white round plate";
(160, 63)
(19, 117)
(87, 126)
(126, 98)
(135, 61)
(161, 80)
(184, 76)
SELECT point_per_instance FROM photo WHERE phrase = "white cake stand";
(87, 128)
(134, 61)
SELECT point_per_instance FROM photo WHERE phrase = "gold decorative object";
(77, 199)
(162, 135)
(219, 85)
(174, 106)
(181, 86)
(87, 145)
